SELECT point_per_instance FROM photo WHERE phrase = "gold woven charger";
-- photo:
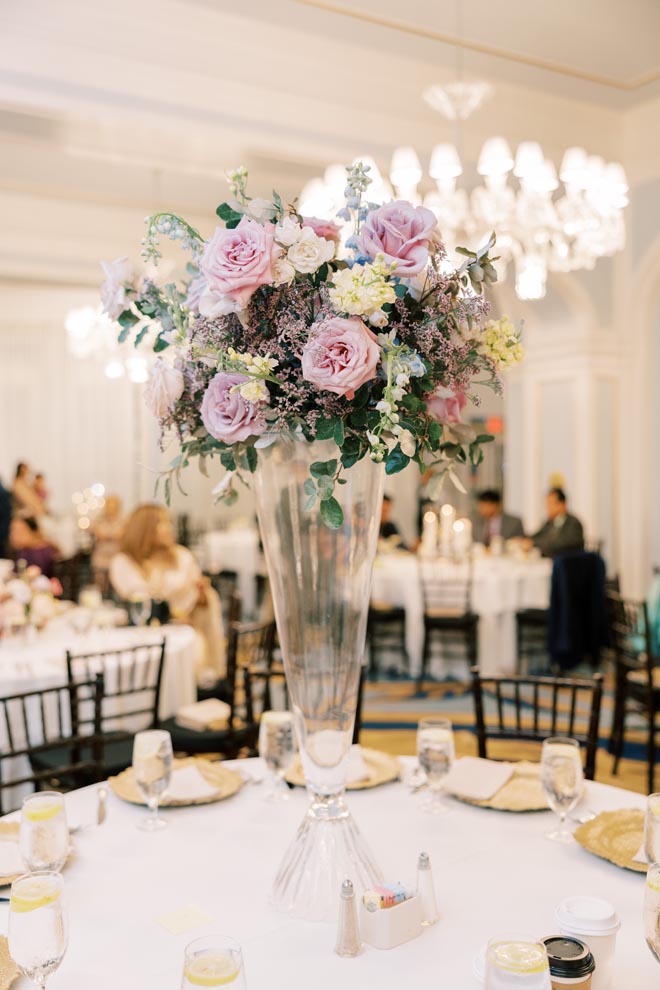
(8, 968)
(382, 767)
(615, 836)
(226, 782)
(522, 792)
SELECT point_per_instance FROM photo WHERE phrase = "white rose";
(213, 304)
(261, 209)
(283, 272)
(164, 388)
(378, 319)
(407, 442)
(310, 252)
(118, 275)
(416, 285)
(288, 231)
(19, 591)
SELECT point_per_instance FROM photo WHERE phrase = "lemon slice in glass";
(42, 809)
(212, 969)
(33, 892)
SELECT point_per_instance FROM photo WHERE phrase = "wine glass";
(562, 780)
(213, 961)
(139, 609)
(517, 964)
(44, 834)
(652, 829)
(38, 929)
(652, 910)
(277, 748)
(435, 752)
(152, 768)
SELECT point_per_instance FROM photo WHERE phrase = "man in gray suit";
(491, 521)
(562, 531)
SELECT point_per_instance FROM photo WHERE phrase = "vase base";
(328, 849)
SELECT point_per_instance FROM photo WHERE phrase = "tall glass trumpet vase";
(320, 580)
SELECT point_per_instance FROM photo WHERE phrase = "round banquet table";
(494, 873)
(500, 586)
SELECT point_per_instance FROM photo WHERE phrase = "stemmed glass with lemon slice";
(44, 833)
(152, 768)
(213, 961)
(38, 932)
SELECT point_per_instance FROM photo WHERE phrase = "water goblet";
(435, 752)
(38, 929)
(517, 964)
(652, 910)
(152, 768)
(562, 780)
(277, 748)
(213, 961)
(44, 834)
(139, 609)
(652, 829)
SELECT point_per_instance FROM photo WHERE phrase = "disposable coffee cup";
(595, 922)
(571, 963)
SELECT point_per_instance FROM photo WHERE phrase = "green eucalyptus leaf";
(309, 487)
(325, 429)
(252, 458)
(320, 468)
(339, 432)
(332, 513)
(160, 345)
(396, 461)
(310, 502)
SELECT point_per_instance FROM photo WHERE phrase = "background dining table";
(495, 872)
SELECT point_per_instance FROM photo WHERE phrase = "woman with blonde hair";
(151, 564)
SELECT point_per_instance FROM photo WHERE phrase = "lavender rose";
(226, 414)
(446, 405)
(340, 356)
(236, 262)
(402, 233)
(323, 228)
(164, 388)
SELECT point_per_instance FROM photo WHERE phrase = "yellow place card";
(184, 920)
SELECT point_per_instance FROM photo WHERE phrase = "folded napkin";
(204, 715)
(357, 768)
(476, 779)
(10, 859)
(188, 784)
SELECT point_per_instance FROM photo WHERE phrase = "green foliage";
(332, 513)
(396, 461)
(231, 217)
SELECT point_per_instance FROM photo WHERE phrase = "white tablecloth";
(500, 586)
(494, 873)
(234, 550)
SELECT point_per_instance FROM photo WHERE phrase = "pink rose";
(323, 228)
(226, 414)
(446, 405)
(340, 356)
(236, 262)
(402, 233)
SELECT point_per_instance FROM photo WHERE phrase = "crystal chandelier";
(91, 334)
(544, 221)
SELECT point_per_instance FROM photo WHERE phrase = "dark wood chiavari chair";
(531, 709)
(39, 724)
(449, 621)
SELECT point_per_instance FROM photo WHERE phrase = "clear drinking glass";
(139, 609)
(652, 910)
(652, 829)
(152, 767)
(277, 748)
(562, 780)
(38, 930)
(517, 964)
(320, 579)
(44, 833)
(435, 752)
(213, 961)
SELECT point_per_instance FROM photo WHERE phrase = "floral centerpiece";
(278, 328)
(28, 600)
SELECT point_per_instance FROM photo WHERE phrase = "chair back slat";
(27, 721)
(447, 587)
(534, 708)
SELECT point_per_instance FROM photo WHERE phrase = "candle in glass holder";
(430, 535)
(462, 537)
(447, 520)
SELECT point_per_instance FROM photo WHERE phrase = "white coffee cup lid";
(583, 915)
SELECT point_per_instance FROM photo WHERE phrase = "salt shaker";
(426, 890)
(348, 931)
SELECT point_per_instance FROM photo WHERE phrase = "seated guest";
(561, 531)
(492, 521)
(40, 490)
(108, 530)
(27, 543)
(26, 501)
(388, 529)
(151, 564)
